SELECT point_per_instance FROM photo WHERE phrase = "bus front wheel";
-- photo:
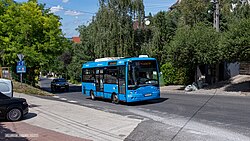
(115, 99)
(92, 95)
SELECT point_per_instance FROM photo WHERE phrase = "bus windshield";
(142, 73)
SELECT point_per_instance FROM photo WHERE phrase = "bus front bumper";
(143, 97)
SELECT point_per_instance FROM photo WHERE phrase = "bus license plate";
(148, 94)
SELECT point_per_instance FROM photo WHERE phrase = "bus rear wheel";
(92, 95)
(115, 99)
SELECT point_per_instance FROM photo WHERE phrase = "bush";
(173, 75)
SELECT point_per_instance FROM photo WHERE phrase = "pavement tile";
(31, 133)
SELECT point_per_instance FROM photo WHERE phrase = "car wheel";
(67, 89)
(52, 89)
(55, 89)
(14, 114)
(115, 99)
(92, 95)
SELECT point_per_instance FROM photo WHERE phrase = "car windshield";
(60, 80)
(142, 73)
(2, 96)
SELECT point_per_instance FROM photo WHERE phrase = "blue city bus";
(121, 79)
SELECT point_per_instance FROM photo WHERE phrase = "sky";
(79, 12)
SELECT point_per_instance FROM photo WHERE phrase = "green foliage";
(163, 27)
(195, 45)
(29, 29)
(168, 73)
(241, 11)
(236, 41)
(173, 75)
(193, 11)
(78, 58)
(27, 89)
(183, 37)
(111, 32)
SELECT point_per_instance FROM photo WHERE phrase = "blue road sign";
(21, 63)
(21, 69)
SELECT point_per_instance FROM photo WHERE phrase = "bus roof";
(115, 62)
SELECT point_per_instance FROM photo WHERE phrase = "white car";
(6, 87)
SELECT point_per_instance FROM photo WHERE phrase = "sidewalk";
(54, 118)
(21, 131)
(179, 89)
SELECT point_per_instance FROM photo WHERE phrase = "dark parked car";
(12, 109)
(58, 84)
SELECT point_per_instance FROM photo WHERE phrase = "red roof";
(76, 39)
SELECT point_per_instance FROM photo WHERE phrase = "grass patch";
(27, 89)
(162, 83)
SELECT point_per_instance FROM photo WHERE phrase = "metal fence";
(5, 72)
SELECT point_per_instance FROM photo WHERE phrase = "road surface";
(176, 116)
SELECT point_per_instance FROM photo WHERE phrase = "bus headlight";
(129, 96)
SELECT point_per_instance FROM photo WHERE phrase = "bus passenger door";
(122, 83)
(99, 82)
(110, 82)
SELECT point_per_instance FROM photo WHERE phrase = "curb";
(208, 92)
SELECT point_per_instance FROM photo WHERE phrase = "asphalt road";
(176, 116)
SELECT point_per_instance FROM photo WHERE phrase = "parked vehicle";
(6, 87)
(12, 109)
(58, 84)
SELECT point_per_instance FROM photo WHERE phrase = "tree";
(236, 43)
(29, 29)
(194, 46)
(193, 11)
(79, 56)
(62, 62)
(111, 32)
(82, 52)
(163, 26)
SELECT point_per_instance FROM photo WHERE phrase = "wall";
(232, 69)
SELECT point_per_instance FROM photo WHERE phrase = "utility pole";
(217, 15)
(216, 12)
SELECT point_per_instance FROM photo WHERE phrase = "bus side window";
(110, 76)
(88, 75)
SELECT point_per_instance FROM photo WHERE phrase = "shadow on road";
(160, 100)
(5, 131)
(231, 87)
(29, 116)
(26, 117)
(75, 88)
(243, 87)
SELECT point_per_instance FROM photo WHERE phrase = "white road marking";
(72, 101)
(63, 99)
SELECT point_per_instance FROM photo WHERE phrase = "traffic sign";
(21, 69)
(20, 56)
(21, 63)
